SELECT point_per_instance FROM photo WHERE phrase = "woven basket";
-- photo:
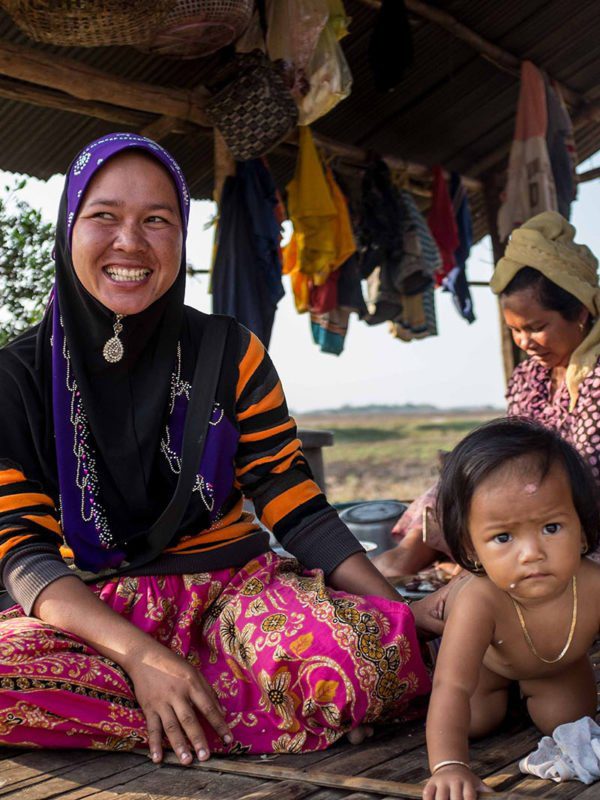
(199, 27)
(88, 23)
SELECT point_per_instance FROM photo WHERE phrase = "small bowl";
(369, 546)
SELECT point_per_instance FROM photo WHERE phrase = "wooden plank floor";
(396, 753)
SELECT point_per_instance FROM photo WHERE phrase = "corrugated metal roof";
(452, 106)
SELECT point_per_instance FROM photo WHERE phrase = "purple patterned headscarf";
(92, 157)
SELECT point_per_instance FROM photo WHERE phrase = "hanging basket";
(199, 27)
(88, 23)
(254, 109)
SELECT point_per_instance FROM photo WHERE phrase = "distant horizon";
(398, 408)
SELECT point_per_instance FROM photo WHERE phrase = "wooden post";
(224, 165)
(510, 352)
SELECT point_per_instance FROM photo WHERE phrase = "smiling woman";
(201, 637)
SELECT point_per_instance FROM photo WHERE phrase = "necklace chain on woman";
(113, 350)
(527, 636)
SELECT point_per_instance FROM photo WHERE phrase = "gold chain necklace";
(569, 637)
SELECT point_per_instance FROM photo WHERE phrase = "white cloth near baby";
(571, 753)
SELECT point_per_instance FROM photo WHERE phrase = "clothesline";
(208, 271)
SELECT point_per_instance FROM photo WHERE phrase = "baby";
(519, 511)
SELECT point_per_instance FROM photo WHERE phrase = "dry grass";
(383, 455)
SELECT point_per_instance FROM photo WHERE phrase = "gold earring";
(581, 326)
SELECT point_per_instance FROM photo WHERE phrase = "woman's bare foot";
(358, 735)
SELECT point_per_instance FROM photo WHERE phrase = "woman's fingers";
(177, 738)
(194, 734)
(155, 734)
(207, 704)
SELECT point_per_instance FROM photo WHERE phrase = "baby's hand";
(454, 782)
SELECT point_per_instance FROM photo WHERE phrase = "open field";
(387, 455)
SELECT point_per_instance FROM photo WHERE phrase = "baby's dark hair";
(492, 446)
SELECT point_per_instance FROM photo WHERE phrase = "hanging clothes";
(530, 187)
(380, 216)
(332, 304)
(400, 287)
(246, 279)
(323, 238)
(418, 318)
(329, 330)
(560, 142)
(420, 263)
(442, 223)
(456, 281)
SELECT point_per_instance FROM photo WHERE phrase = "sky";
(462, 366)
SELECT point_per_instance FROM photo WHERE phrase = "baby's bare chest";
(522, 652)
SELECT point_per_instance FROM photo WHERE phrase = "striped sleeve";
(27, 514)
(272, 471)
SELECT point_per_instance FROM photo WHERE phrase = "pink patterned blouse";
(528, 395)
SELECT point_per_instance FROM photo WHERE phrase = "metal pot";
(373, 522)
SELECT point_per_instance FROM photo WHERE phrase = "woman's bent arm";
(170, 691)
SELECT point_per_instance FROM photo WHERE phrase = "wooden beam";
(361, 156)
(159, 128)
(590, 175)
(87, 83)
(493, 158)
(510, 352)
(47, 98)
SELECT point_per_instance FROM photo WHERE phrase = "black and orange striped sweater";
(267, 466)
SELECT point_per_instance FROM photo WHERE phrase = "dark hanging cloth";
(456, 280)
(391, 46)
(561, 150)
(246, 282)
(379, 227)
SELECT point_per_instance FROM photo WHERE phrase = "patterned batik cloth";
(295, 664)
(529, 395)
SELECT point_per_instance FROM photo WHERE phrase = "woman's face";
(128, 237)
(544, 335)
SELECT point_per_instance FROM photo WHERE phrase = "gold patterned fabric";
(295, 664)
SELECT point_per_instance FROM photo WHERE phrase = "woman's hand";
(173, 695)
(171, 692)
(454, 782)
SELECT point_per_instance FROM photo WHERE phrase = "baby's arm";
(467, 635)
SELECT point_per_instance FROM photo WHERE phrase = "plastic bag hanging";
(329, 76)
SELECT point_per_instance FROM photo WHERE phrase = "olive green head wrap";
(545, 242)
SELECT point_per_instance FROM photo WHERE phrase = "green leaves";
(26, 265)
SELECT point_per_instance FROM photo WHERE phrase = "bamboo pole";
(264, 770)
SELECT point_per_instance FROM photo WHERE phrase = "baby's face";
(525, 531)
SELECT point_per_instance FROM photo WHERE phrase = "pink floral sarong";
(295, 664)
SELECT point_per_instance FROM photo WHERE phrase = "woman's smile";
(130, 275)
